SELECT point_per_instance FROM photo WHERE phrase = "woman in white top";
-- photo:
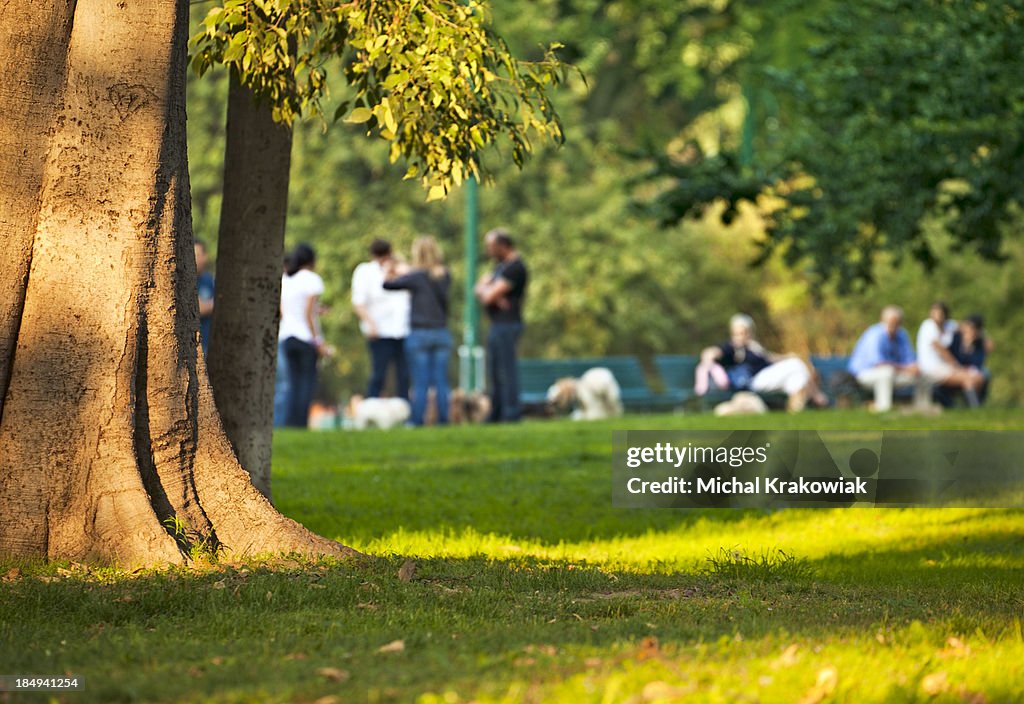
(937, 363)
(299, 340)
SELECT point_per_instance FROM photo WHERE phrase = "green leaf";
(360, 115)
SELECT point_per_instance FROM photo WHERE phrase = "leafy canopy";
(428, 76)
(901, 112)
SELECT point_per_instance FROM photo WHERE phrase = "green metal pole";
(747, 138)
(471, 312)
(470, 353)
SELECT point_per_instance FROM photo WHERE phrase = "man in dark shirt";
(502, 292)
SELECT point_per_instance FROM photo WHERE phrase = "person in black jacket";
(502, 293)
(429, 344)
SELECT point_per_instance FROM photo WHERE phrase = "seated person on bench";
(884, 357)
(937, 363)
(743, 364)
(970, 347)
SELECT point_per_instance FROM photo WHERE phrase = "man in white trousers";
(883, 359)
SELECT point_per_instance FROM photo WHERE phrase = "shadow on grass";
(270, 631)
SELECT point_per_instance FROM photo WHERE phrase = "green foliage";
(427, 76)
(901, 112)
(911, 109)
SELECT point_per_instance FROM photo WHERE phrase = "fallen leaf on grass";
(969, 697)
(368, 606)
(407, 570)
(12, 575)
(649, 648)
(955, 648)
(658, 691)
(329, 699)
(395, 646)
(788, 657)
(935, 683)
(548, 650)
(296, 656)
(333, 674)
(825, 685)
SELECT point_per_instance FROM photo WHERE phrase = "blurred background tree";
(670, 82)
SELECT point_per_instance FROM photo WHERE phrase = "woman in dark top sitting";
(743, 364)
(429, 343)
(970, 347)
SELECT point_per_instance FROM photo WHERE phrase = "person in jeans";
(383, 319)
(502, 292)
(205, 287)
(937, 363)
(299, 334)
(429, 344)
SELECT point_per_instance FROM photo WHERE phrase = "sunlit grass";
(529, 587)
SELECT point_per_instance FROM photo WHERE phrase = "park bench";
(537, 375)
(677, 372)
(832, 371)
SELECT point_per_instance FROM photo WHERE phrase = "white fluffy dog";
(383, 413)
(595, 395)
(742, 403)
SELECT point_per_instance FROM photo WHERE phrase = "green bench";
(677, 372)
(537, 375)
(830, 369)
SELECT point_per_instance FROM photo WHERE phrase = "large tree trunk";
(243, 343)
(108, 433)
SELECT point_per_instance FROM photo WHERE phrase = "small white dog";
(383, 413)
(595, 395)
(742, 403)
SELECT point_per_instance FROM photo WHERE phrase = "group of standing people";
(403, 309)
(403, 314)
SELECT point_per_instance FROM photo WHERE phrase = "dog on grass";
(742, 403)
(593, 396)
(382, 413)
(473, 407)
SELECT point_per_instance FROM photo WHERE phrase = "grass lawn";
(528, 586)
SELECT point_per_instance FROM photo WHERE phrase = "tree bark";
(243, 342)
(33, 41)
(109, 436)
